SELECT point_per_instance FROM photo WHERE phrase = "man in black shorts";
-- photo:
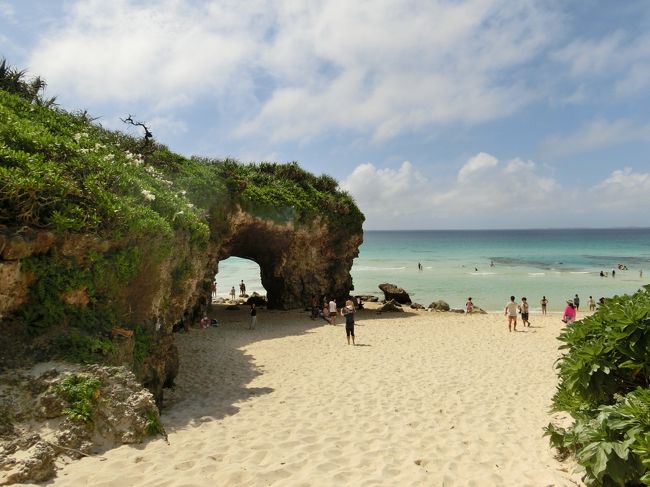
(348, 312)
(523, 308)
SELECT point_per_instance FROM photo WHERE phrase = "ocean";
(488, 265)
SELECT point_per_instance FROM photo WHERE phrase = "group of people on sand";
(330, 311)
(512, 309)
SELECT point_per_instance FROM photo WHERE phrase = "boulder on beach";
(457, 310)
(439, 305)
(416, 306)
(391, 305)
(479, 311)
(368, 298)
(256, 299)
(391, 291)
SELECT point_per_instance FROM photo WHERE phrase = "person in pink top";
(569, 313)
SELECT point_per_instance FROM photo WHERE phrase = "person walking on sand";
(576, 302)
(214, 290)
(232, 293)
(544, 303)
(591, 303)
(469, 306)
(253, 317)
(511, 313)
(333, 311)
(523, 308)
(348, 312)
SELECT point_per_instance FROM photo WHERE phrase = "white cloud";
(486, 193)
(624, 189)
(597, 135)
(477, 164)
(379, 68)
(617, 56)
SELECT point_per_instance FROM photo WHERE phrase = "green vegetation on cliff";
(125, 205)
(604, 385)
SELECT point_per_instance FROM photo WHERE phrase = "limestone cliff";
(97, 235)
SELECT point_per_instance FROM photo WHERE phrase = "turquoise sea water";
(457, 264)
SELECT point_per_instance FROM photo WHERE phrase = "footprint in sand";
(184, 465)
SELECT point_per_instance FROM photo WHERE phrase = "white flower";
(148, 195)
(190, 205)
(109, 157)
(183, 193)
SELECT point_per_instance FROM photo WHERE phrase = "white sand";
(433, 399)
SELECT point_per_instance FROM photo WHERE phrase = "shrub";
(81, 391)
(604, 378)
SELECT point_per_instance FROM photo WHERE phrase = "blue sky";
(432, 114)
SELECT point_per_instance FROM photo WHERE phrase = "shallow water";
(488, 265)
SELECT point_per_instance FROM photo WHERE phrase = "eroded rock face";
(34, 427)
(296, 260)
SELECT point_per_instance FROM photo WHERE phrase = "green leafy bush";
(604, 385)
(81, 391)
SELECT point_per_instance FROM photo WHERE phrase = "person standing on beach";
(253, 322)
(544, 302)
(348, 312)
(186, 322)
(333, 310)
(469, 306)
(591, 303)
(314, 306)
(523, 308)
(232, 293)
(511, 313)
(214, 290)
(242, 288)
(576, 302)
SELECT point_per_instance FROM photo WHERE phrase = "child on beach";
(523, 308)
(348, 312)
(469, 306)
(333, 311)
(511, 313)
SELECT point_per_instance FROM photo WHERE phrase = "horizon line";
(499, 229)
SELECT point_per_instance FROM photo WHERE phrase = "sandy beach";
(423, 399)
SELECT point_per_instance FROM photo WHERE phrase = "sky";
(433, 114)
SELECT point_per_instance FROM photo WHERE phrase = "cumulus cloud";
(380, 68)
(7, 12)
(624, 189)
(485, 192)
(597, 135)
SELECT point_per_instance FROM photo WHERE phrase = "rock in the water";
(391, 305)
(391, 291)
(439, 305)
(417, 306)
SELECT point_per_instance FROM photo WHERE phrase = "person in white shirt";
(511, 313)
(333, 311)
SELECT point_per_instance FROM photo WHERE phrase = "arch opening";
(232, 271)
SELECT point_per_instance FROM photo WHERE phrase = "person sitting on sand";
(511, 313)
(469, 306)
(544, 303)
(348, 312)
(523, 308)
(569, 313)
